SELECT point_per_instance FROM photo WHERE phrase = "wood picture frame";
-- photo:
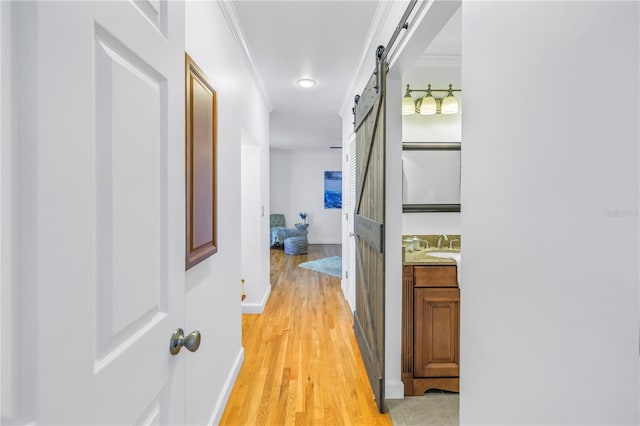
(201, 127)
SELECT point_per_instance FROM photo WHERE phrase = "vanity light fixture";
(429, 104)
(306, 82)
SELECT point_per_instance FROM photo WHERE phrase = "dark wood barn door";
(369, 228)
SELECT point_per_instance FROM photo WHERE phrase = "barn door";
(369, 228)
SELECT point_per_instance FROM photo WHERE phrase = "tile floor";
(433, 408)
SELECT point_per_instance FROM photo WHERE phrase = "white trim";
(344, 283)
(257, 308)
(377, 24)
(226, 390)
(326, 242)
(393, 257)
(406, 50)
(394, 389)
(231, 16)
(8, 361)
(2, 196)
(418, 14)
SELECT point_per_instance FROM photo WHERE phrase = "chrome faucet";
(451, 243)
(439, 243)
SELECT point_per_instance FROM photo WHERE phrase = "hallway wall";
(216, 281)
(297, 184)
(550, 195)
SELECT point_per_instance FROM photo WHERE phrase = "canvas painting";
(332, 190)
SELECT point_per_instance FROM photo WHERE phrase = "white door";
(350, 252)
(99, 192)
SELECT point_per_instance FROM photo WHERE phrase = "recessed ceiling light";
(306, 82)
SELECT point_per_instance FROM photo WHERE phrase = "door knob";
(178, 340)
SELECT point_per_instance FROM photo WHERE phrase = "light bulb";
(428, 104)
(449, 103)
(408, 105)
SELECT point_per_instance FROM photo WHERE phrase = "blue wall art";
(332, 190)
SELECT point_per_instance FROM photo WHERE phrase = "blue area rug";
(328, 265)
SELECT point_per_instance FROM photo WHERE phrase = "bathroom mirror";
(431, 177)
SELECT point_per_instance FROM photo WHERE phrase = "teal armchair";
(277, 221)
(280, 232)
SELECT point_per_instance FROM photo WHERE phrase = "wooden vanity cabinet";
(430, 329)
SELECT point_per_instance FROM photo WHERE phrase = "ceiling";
(290, 40)
(322, 40)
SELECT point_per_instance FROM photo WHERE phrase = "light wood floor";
(302, 364)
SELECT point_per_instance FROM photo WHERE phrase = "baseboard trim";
(325, 242)
(394, 389)
(226, 390)
(257, 308)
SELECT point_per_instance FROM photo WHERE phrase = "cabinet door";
(437, 332)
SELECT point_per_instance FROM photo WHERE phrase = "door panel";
(130, 223)
(437, 330)
(369, 230)
(103, 164)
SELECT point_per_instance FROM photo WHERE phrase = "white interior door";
(99, 191)
(351, 205)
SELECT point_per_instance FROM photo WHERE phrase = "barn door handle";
(178, 340)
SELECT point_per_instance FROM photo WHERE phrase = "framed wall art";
(333, 190)
(201, 129)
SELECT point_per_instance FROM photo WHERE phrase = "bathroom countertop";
(421, 257)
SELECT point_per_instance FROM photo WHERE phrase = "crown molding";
(368, 52)
(231, 16)
(439, 60)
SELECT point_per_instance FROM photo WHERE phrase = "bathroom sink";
(444, 254)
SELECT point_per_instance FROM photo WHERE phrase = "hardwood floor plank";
(302, 365)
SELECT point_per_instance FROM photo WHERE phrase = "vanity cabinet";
(430, 329)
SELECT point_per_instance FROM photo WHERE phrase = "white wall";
(430, 223)
(216, 281)
(297, 184)
(550, 188)
(280, 170)
(6, 229)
